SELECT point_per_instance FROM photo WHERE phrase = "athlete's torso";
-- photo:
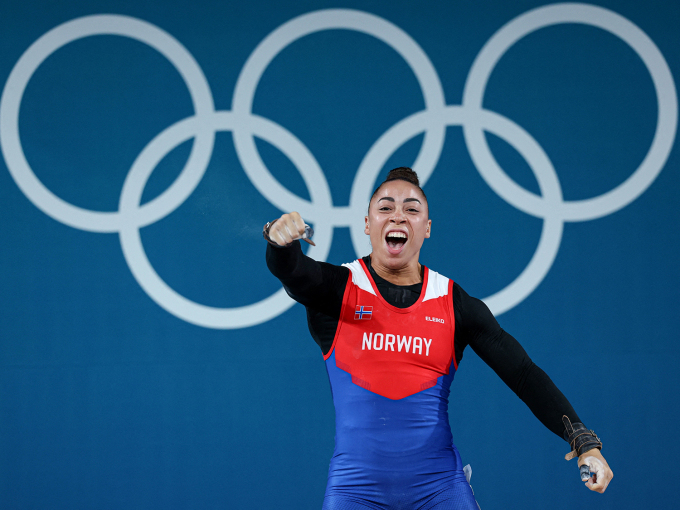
(390, 371)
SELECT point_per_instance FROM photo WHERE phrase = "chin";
(395, 259)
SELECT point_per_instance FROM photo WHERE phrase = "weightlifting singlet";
(390, 371)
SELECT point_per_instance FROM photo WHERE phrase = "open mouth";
(396, 240)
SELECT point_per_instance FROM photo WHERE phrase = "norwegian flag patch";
(363, 312)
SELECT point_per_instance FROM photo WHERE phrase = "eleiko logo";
(434, 319)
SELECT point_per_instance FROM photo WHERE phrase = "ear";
(366, 231)
(429, 228)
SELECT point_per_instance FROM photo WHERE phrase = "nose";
(397, 216)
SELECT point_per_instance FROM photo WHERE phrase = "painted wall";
(149, 360)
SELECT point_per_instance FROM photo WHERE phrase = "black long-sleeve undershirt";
(319, 286)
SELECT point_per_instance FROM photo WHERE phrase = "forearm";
(544, 399)
(531, 384)
(297, 272)
(317, 285)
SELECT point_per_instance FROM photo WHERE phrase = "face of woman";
(397, 223)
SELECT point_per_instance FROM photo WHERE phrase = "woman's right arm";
(317, 285)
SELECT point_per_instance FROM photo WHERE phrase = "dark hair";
(403, 173)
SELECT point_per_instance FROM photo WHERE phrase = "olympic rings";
(245, 126)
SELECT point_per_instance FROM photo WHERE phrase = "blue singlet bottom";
(454, 497)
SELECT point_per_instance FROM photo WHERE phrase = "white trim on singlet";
(359, 277)
(437, 285)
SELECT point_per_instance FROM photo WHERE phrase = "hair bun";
(403, 173)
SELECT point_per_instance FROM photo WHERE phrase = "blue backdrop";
(149, 360)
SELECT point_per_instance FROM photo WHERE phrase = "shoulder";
(359, 275)
(467, 308)
(438, 285)
(472, 312)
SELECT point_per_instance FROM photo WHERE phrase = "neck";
(409, 274)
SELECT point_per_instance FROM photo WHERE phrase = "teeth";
(397, 234)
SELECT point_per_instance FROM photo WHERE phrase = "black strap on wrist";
(265, 233)
(580, 438)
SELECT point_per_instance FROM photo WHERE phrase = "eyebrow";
(390, 199)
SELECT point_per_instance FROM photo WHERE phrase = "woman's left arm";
(509, 360)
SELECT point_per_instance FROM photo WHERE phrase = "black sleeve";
(319, 286)
(476, 326)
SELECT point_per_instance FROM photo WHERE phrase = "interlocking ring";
(245, 126)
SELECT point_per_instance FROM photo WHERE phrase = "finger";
(599, 481)
(584, 469)
(279, 237)
(283, 229)
(291, 231)
(598, 486)
(288, 225)
(298, 223)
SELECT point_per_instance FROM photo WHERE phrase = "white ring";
(639, 181)
(133, 250)
(525, 145)
(295, 29)
(30, 185)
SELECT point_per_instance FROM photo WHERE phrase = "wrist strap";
(265, 233)
(580, 438)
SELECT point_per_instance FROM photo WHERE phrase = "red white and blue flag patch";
(363, 312)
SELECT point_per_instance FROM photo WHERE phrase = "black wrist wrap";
(580, 438)
(265, 233)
